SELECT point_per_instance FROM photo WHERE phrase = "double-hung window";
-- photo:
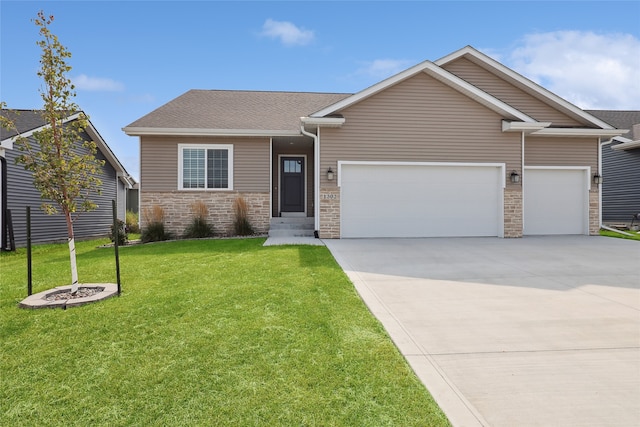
(205, 167)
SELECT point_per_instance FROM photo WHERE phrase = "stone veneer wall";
(329, 213)
(594, 212)
(513, 212)
(178, 215)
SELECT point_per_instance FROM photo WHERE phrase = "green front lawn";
(206, 332)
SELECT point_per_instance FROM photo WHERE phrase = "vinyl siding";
(419, 119)
(621, 184)
(509, 93)
(159, 162)
(539, 151)
(52, 228)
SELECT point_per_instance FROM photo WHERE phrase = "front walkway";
(538, 331)
(274, 241)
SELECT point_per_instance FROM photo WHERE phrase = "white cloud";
(383, 68)
(97, 84)
(288, 33)
(591, 70)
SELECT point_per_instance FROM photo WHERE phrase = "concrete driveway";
(538, 331)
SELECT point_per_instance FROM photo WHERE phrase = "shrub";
(199, 226)
(154, 230)
(123, 236)
(241, 224)
(131, 221)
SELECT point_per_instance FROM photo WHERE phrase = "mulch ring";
(65, 294)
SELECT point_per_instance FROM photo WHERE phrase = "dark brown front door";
(292, 184)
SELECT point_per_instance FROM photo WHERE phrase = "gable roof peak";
(494, 66)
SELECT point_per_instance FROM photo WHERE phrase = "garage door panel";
(555, 201)
(419, 201)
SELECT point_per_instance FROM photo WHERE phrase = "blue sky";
(130, 57)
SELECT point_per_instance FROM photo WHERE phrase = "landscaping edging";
(39, 300)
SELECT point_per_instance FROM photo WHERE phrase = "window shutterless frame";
(202, 167)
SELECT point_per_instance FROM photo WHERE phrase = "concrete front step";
(292, 227)
(291, 233)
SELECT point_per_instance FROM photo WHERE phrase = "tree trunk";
(72, 254)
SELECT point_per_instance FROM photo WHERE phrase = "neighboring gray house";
(621, 168)
(17, 190)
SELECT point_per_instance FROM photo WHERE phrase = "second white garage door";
(421, 200)
(555, 200)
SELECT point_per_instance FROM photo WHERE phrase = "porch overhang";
(626, 143)
(526, 127)
(313, 123)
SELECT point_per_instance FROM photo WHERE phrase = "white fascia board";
(572, 132)
(7, 144)
(560, 102)
(629, 145)
(526, 127)
(106, 150)
(330, 122)
(145, 131)
(439, 74)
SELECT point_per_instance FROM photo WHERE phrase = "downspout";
(316, 177)
(522, 178)
(3, 204)
(599, 172)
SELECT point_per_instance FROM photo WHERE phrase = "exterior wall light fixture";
(597, 179)
(330, 174)
(515, 177)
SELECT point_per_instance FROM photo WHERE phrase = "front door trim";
(280, 186)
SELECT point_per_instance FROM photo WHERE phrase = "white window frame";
(228, 147)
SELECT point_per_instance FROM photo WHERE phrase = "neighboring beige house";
(462, 146)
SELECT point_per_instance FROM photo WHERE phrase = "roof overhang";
(544, 129)
(327, 122)
(7, 144)
(146, 131)
(625, 143)
(576, 132)
(526, 127)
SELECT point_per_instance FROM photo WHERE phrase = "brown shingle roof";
(621, 119)
(224, 109)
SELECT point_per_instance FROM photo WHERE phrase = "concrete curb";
(39, 300)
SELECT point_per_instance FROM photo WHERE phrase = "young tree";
(63, 163)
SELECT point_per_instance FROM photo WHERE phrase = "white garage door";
(555, 201)
(420, 200)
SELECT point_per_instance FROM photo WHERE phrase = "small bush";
(154, 230)
(241, 224)
(199, 227)
(123, 236)
(132, 223)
